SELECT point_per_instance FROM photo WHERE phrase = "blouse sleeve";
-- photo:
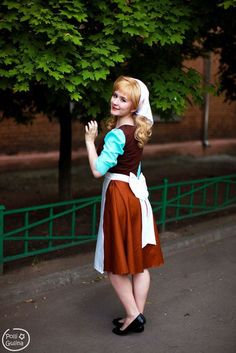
(113, 147)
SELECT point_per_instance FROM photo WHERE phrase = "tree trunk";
(64, 167)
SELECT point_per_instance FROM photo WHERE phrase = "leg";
(141, 284)
(124, 290)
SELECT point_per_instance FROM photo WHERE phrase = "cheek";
(128, 106)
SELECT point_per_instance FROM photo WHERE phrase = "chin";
(115, 114)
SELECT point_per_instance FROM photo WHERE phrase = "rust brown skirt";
(123, 252)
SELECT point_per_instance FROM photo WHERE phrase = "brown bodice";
(129, 161)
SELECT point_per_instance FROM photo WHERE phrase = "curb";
(12, 293)
(199, 240)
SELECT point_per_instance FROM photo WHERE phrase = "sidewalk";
(66, 306)
(32, 179)
(28, 281)
(189, 148)
(190, 309)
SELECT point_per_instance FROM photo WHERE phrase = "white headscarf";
(144, 108)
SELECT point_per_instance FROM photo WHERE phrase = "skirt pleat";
(123, 252)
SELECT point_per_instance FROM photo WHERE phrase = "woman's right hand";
(91, 131)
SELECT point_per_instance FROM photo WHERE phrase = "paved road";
(191, 309)
(32, 179)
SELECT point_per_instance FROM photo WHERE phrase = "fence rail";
(41, 229)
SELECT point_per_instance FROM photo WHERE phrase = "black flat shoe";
(135, 326)
(117, 323)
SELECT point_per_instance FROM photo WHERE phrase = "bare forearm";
(92, 156)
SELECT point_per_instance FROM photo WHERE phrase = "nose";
(114, 100)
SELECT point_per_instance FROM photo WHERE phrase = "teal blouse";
(114, 143)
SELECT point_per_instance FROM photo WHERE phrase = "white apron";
(139, 188)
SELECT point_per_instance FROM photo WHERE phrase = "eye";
(123, 99)
(114, 95)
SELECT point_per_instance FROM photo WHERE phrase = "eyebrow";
(124, 97)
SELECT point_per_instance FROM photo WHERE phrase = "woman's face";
(121, 106)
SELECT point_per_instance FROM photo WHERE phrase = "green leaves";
(171, 88)
(162, 24)
(74, 47)
(39, 43)
(228, 3)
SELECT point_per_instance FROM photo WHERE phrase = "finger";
(93, 126)
(88, 126)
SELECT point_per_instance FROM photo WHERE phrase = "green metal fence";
(41, 229)
(173, 202)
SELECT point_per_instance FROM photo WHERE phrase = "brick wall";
(222, 117)
(40, 135)
(43, 135)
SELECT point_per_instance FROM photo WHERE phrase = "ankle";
(132, 315)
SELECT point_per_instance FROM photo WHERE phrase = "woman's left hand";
(91, 131)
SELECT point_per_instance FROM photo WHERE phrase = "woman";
(128, 242)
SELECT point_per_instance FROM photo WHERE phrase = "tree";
(223, 42)
(214, 29)
(60, 57)
(44, 64)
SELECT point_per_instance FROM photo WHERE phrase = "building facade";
(43, 136)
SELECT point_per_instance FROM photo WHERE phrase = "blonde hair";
(130, 87)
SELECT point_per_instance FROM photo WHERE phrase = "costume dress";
(128, 240)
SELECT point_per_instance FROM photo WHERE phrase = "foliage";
(226, 43)
(55, 52)
(228, 3)
(61, 57)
